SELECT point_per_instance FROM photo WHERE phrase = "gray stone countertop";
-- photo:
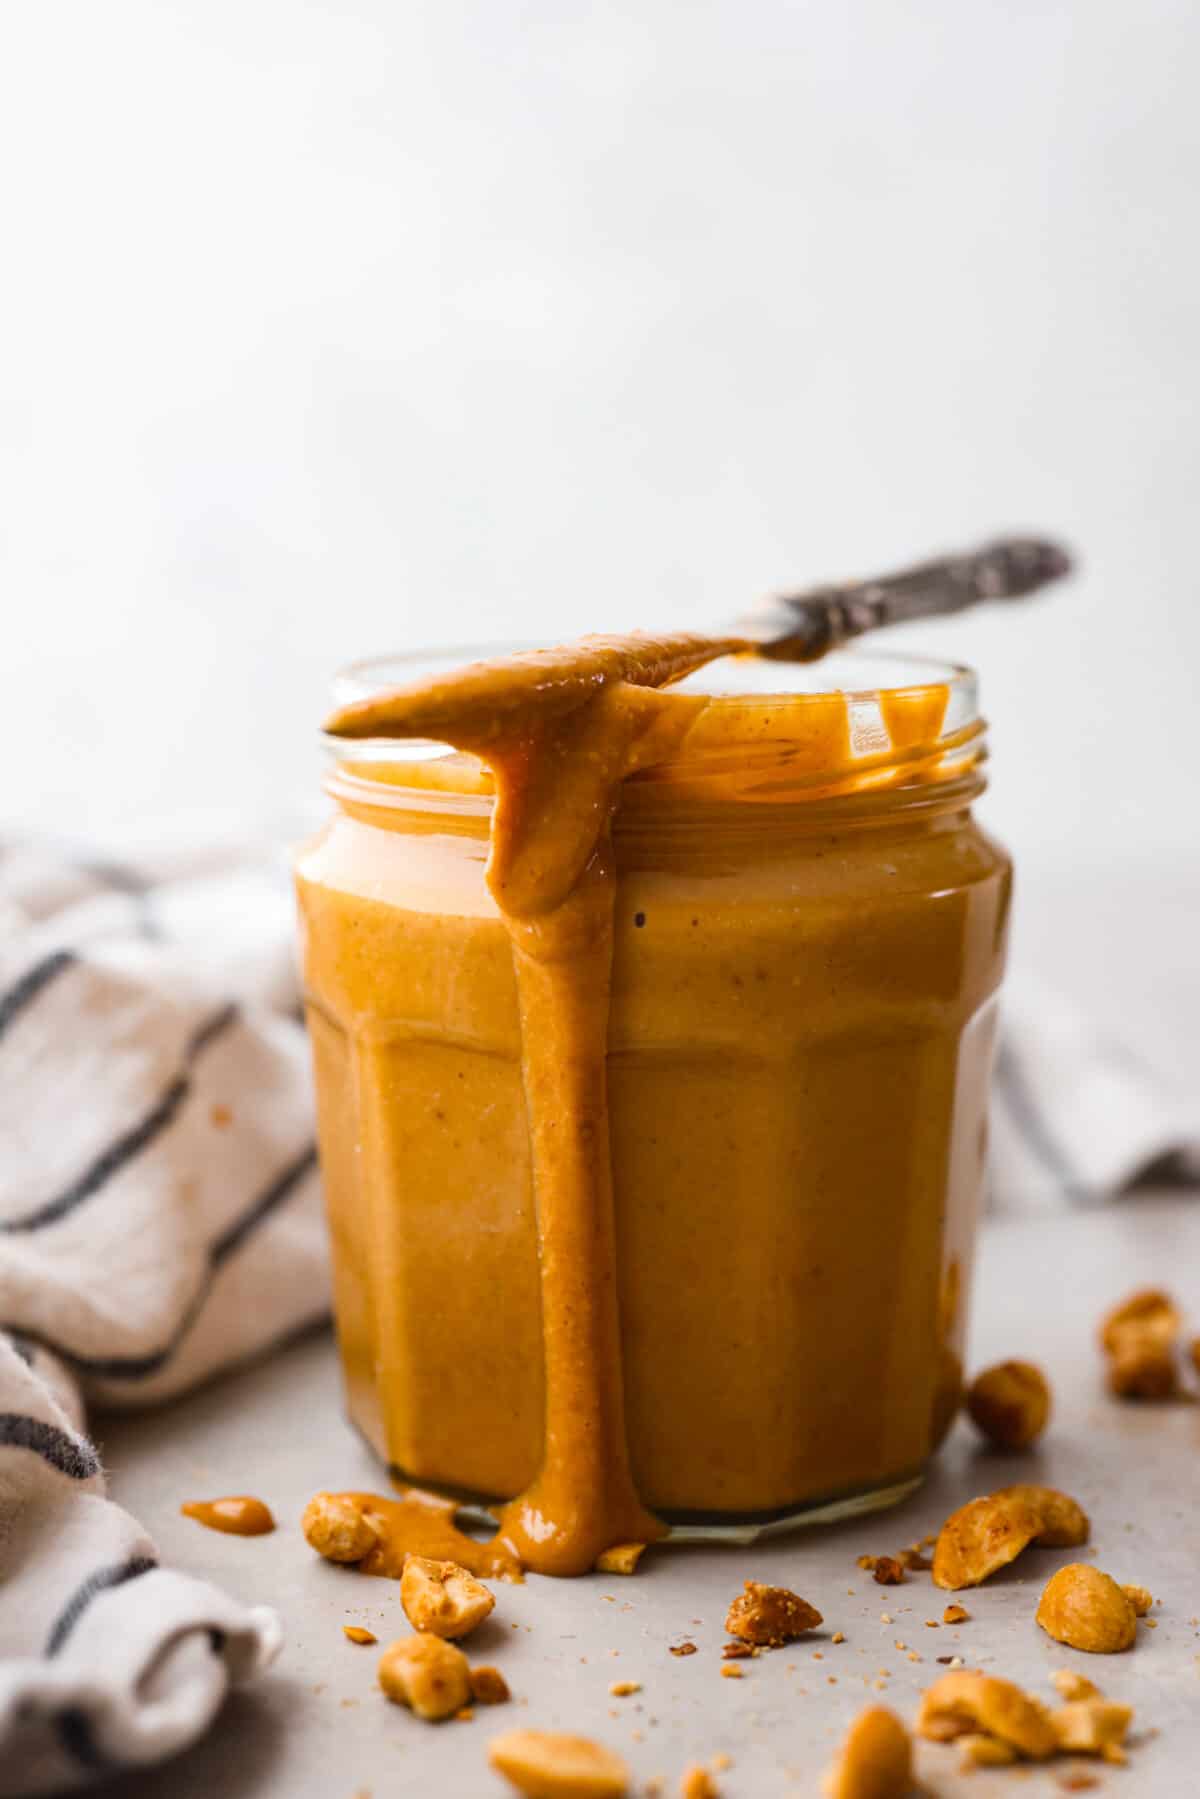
(317, 1728)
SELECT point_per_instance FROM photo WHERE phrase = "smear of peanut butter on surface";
(241, 1515)
(420, 1523)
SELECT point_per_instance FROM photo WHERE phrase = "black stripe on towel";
(131, 1142)
(268, 1201)
(231, 1239)
(23, 992)
(67, 1455)
(75, 1735)
(118, 877)
(74, 1730)
(102, 1581)
(22, 1346)
(211, 1028)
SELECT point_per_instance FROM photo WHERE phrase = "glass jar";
(806, 963)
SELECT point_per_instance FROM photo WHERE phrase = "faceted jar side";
(799, 1061)
(425, 1153)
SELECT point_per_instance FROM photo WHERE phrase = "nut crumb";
(838, 1637)
(622, 1558)
(488, 1686)
(697, 1783)
(354, 1633)
(737, 1652)
(1072, 1685)
(688, 1648)
(885, 1618)
(889, 1570)
(914, 1559)
(621, 1689)
(769, 1616)
(955, 1614)
(730, 1671)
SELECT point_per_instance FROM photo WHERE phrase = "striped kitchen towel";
(159, 1220)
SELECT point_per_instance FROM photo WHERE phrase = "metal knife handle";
(828, 616)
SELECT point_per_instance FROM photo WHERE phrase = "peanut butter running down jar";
(653, 1149)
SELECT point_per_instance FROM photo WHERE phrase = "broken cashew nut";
(1085, 1608)
(336, 1529)
(987, 1534)
(1140, 1338)
(1010, 1404)
(969, 1704)
(442, 1598)
(428, 1675)
(548, 1764)
(768, 1616)
(875, 1760)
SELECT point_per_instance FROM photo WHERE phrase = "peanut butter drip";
(423, 1524)
(560, 730)
(238, 1516)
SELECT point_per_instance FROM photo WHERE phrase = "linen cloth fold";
(159, 1221)
(1079, 1116)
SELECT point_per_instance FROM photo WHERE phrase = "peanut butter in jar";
(652, 1026)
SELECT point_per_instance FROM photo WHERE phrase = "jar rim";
(755, 743)
(868, 674)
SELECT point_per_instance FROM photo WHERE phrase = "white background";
(331, 329)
